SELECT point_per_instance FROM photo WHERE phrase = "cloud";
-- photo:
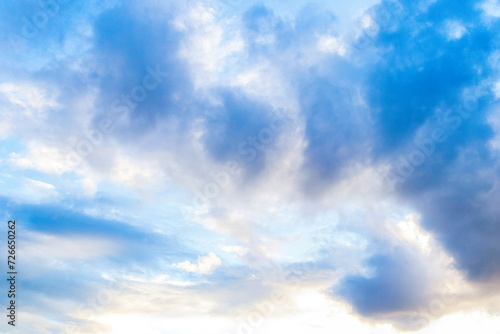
(491, 8)
(311, 192)
(331, 44)
(67, 247)
(209, 45)
(40, 189)
(238, 250)
(455, 30)
(42, 158)
(31, 99)
(206, 264)
(440, 88)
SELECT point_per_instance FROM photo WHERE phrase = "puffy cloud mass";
(205, 265)
(342, 160)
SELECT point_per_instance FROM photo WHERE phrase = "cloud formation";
(349, 147)
(205, 265)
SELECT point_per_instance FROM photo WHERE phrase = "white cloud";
(496, 89)
(128, 172)
(298, 307)
(34, 191)
(31, 98)
(207, 44)
(89, 187)
(238, 250)
(455, 30)
(205, 265)
(41, 186)
(491, 8)
(41, 157)
(409, 230)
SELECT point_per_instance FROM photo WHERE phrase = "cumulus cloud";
(205, 265)
(491, 8)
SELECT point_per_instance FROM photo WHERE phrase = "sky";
(245, 167)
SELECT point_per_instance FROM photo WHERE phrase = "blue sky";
(252, 167)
